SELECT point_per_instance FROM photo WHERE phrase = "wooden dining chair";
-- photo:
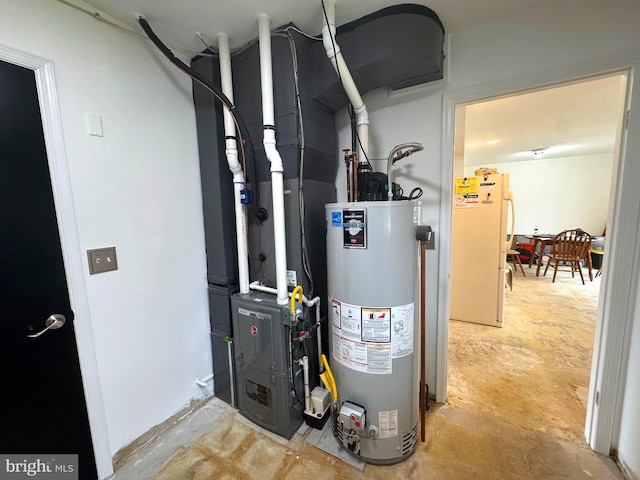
(568, 248)
(513, 256)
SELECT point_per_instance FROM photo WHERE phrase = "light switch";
(102, 260)
(94, 124)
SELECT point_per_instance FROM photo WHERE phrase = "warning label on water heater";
(376, 325)
(388, 422)
(367, 339)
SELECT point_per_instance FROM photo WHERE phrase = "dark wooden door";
(42, 402)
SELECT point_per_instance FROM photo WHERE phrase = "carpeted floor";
(515, 410)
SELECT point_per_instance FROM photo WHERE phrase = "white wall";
(629, 441)
(541, 42)
(403, 118)
(560, 193)
(136, 188)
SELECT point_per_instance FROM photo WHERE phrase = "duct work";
(397, 47)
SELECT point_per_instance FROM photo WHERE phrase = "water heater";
(372, 260)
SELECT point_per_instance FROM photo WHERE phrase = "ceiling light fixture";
(538, 153)
(492, 142)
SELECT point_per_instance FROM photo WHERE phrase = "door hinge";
(627, 117)
(597, 398)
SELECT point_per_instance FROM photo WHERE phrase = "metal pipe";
(347, 165)
(354, 174)
(423, 340)
(396, 154)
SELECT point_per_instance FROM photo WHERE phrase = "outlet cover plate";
(102, 260)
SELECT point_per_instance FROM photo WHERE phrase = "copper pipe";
(423, 400)
(347, 164)
(354, 170)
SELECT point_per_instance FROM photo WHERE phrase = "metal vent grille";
(339, 432)
(409, 440)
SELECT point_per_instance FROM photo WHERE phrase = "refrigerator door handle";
(508, 196)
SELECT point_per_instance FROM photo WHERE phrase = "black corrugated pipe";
(195, 75)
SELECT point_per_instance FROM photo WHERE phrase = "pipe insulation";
(277, 169)
(337, 60)
(231, 151)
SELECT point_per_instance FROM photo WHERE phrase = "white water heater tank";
(372, 265)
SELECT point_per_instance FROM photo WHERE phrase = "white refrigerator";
(478, 248)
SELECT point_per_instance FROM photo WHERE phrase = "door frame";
(618, 292)
(71, 252)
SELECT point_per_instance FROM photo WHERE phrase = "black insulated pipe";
(193, 74)
(180, 64)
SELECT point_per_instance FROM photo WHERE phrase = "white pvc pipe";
(337, 60)
(231, 375)
(309, 303)
(277, 169)
(231, 150)
(204, 382)
(307, 394)
(318, 334)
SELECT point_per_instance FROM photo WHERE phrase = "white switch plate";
(94, 124)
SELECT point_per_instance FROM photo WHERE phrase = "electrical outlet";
(102, 260)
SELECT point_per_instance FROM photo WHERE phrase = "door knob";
(54, 322)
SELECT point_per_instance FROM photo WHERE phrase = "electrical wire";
(301, 205)
(286, 28)
(292, 373)
(418, 193)
(206, 45)
(333, 45)
(398, 193)
(95, 14)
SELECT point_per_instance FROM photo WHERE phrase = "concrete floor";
(534, 372)
(515, 410)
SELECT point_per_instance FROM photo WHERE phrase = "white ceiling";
(176, 22)
(567, 121)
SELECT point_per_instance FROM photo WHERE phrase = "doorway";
(46, 400)
(560, 146)
(41, 70)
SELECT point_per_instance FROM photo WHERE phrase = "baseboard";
(624, 468)
(129, 451)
